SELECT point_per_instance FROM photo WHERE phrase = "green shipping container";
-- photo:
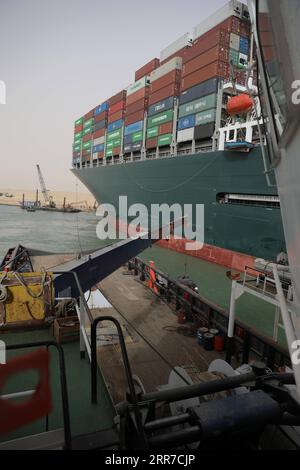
(77, 148)
(234, 56)
(87, 145)
(160, 118)
(113, 143)
(137, 136)
(88, 130)
(79, 121)
(77, 135)
(77, 141)
(108, 153)
(152, 132)
(114, 135)
(165, 139)
(205, 117)
(88, 123)
(201, 104)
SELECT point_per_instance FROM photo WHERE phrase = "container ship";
(168, 138)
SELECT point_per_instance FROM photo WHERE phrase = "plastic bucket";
(209, 341)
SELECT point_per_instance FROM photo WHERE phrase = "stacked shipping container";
(164, 87)
(188, 73)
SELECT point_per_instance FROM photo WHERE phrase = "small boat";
(30, 209)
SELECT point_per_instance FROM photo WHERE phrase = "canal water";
(68, 233)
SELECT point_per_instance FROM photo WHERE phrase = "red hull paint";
(213, 254)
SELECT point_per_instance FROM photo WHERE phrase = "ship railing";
(248, 343)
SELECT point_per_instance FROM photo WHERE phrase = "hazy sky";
(60, 58)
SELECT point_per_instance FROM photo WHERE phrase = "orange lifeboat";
(240, 104)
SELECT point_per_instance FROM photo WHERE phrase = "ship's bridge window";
(249, 199)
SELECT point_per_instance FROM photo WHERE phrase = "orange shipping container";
(121, 96)
(116, 107)
(216, 69)
(116, 151)
(170, 90)
(101, 116)
(168, 79)
(151, 143)
(88, 115)
(135, 117)
(138, 95)
(137, 106)
(78, 128)
(99, 133)
(146, 69)
(206, 58)
(215, 36)
(87, 137)
(116, 116)
(165, 128)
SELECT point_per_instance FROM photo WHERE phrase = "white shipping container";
(142, 83)
(180, 43)
(185, 135)
(232, 8)
(175, 63)
(98, 141)
(234, 41)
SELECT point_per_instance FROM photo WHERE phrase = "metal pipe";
(167, 422)
(127, 367)
(201, 389)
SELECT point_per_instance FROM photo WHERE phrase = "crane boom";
(45, 192)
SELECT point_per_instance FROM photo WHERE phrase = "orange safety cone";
(152, 278)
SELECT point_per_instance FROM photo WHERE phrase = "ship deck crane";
(47, 197)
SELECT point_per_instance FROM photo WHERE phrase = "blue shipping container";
(135, 127)
(102, 107)
(203, 89)
(100, 125)
(127, 139)
(163, 105)
(186, 122)
(98, 148)
(115, 125)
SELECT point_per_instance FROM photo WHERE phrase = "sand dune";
(58, 196)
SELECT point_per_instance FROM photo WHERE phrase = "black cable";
(147, 342)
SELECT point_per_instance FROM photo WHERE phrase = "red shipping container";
(264, 22)
(89, 115)
(170, 90)
(165, 128)
(137, 106)
(116, 107)
(121, 96)
(206, 58)
(135, 117)
(151, 143)
(179, 53)
(87, 137)
(266, 38)
(116, 151)
(138, 95)
(101, 116)
(146, 69)
(99, 133)
(206, 42)
(116, 116)
(78, 128)
(100, 155)
(168, 79)
(241, 27)
(216, 69)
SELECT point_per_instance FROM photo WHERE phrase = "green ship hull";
(251, 229)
